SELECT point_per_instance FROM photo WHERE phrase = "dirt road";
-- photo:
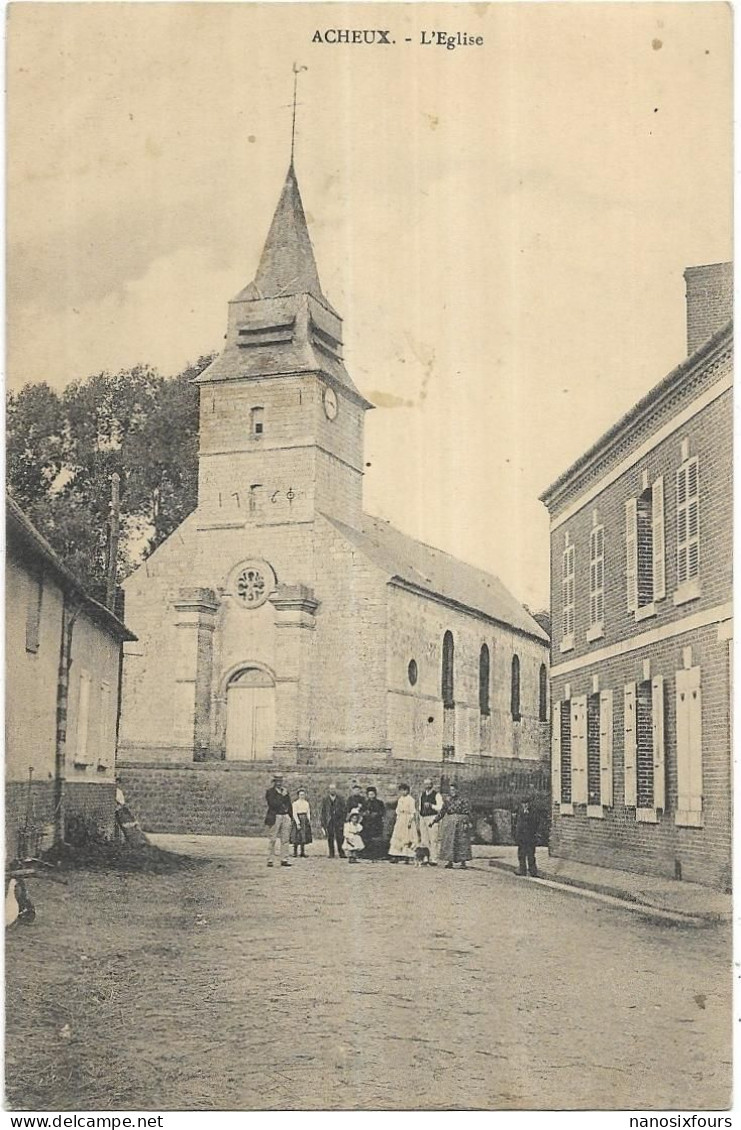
(331, 986)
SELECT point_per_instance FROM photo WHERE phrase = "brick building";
(281, 624)
(641, 576)
(62, 671)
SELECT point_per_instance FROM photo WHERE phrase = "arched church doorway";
(250, 716)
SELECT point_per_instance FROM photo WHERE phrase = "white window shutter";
(105, 753)
(605, 747)
(657, 531)
(683, 741)
(657, 716)
(579, 749)
(631, 552)
(629, 744)
(83, 717)
(556, 754)
(695, 740)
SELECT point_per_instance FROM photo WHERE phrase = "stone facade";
(641, 574)
(280, 624)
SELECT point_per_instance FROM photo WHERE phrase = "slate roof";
(432, 571)
(286, 300)
(287, 264)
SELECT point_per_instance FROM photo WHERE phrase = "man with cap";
(278, 819)
(526, 835)
(430, 805)
(333, 821)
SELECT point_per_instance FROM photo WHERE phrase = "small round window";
(412, 671)
(252, 587)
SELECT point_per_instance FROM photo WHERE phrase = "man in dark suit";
(526, 831)
(333, 820)
(278, 819)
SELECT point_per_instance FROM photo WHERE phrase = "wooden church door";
(250, 716)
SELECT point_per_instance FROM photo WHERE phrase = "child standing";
(353, 842)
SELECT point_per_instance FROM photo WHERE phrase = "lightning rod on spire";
(296, 72)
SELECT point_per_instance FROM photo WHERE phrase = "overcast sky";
(503, 228)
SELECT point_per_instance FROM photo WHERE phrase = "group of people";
(436, 830)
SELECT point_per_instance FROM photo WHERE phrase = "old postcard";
(369, 457)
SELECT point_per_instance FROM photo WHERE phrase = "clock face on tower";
(330, 403)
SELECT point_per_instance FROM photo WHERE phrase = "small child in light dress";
(353, 842)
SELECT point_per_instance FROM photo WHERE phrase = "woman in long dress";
(455, 829)
(300, 833)
(405, 836)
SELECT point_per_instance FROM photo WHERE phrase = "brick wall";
(618, 840)
(710, 438)
(229, 798)
(94, 802)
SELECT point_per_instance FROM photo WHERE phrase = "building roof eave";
(25, 532)
(714, 345)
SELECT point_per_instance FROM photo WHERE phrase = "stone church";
(280, 623)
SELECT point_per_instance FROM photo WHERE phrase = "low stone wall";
(228, 798)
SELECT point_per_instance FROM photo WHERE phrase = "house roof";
(422, 567)
(701, 356)
(23, 534)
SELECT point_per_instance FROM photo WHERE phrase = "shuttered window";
(594, 776)
(689, 747)
(644, 746)
(658, 540)
(688, 521)
(629, 744)
(35, 590)
(605, 747)
(568, 594)
(658, 741)
(597, 576)
(566, 797)
(579, 750)
(645, 544)
(631, 554)
(105, 752)
(556, 753)
(83, 719)
(644, 517)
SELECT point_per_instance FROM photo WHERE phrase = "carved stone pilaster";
(195, 609)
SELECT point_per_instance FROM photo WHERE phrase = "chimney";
(709, 301)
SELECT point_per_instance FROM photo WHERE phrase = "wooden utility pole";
(113, 536)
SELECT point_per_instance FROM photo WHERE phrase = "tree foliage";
(63, 448)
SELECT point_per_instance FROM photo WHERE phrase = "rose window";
(252, 587)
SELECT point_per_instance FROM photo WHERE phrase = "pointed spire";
(287, 264)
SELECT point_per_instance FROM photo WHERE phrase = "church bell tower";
(281, 422)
